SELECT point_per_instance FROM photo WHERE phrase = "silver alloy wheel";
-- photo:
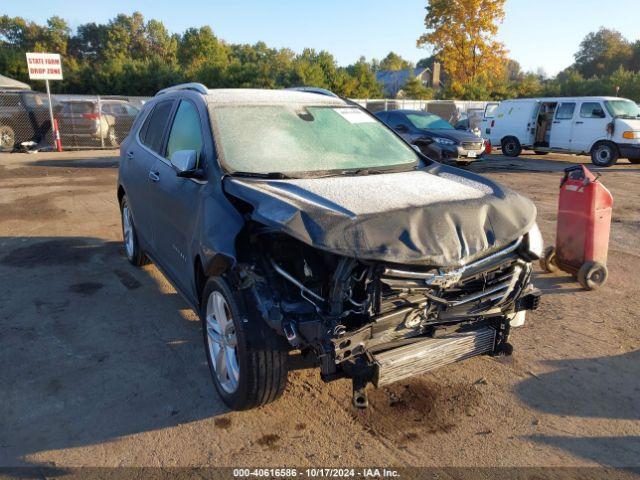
(127, 230)
(222, 342)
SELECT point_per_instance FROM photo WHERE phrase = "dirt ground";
(103, 364)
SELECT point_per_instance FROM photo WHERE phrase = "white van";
(607, 128)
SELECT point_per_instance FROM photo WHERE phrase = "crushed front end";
(379, 322)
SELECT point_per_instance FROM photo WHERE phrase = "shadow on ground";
(92, 349)
(590, 388)
(501, 164)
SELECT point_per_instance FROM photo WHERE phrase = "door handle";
(154, 176)
(129, 155)
(579, 123)
(556, 121)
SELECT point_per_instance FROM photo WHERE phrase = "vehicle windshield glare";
(622, 108)
(291, 138)
(428, 121)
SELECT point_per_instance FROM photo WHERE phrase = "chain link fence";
(103, 121)
(84, 121)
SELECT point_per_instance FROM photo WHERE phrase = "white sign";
(44, 66)
(354, 115)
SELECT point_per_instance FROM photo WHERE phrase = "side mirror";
(184, 160)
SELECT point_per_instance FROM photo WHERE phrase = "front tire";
(247, 359)
(511, 147)
(132, 249)
(604, 154)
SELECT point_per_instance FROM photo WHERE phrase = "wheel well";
(199, 278)
(600, 142)
(120, 194)
(509, 136)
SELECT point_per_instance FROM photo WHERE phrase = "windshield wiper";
(376, 171)
(271, 175)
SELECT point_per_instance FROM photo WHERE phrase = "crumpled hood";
(438, 215)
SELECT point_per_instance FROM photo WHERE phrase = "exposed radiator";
(420, 357)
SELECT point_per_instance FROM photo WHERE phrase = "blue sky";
(540, 33)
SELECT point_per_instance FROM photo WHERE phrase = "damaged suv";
(300, 227)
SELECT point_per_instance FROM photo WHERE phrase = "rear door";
(562, 126)
(137, 172)
(175, 199)
(590, 125)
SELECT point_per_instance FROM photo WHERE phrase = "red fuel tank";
(584, 223)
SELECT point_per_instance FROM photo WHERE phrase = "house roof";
(6, 82)
(398, 77)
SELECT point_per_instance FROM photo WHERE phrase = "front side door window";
(590, 125)
(185, 132)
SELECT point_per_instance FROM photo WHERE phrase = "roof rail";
(316, 90)
(196, 87)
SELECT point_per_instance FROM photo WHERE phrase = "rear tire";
(132, 250)
(247, 359)
(592, 275)
(7, 138)
(511, 147)
(604, 154)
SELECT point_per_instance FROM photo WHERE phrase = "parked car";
(92, 122)
(607, 128)
(24, 117)
(295, 222)
(434, 136)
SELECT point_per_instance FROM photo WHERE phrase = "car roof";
(256, 96)
(555, 99)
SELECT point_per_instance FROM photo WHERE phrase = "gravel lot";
(103, 364)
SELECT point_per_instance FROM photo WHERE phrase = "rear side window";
(565, 111)
(152, 130)
(591, 110)
(78, 107)
(185, 131)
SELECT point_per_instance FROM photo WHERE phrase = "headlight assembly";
(443, 141)
(533, 243)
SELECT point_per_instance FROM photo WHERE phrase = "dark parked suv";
(302, 229)
(24, 117)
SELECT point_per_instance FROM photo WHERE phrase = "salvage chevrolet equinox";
(302, 229)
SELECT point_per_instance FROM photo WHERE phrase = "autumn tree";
(462, 35)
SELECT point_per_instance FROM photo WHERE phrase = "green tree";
(415, 89)
(393, 61)
(602, 52)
